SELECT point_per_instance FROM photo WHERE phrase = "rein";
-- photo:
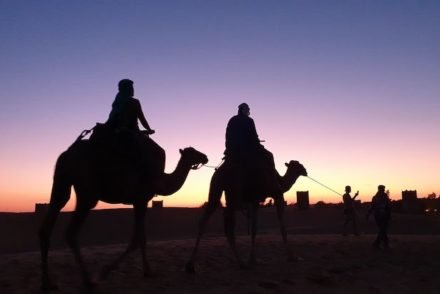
(84, 133)
(214, 167)
(200, 165)
(197, 166)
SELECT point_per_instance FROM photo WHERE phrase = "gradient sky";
(349, 88)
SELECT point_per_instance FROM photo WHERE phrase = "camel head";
(193, 157)
(295, 167)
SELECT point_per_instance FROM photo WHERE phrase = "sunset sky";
(348, 88)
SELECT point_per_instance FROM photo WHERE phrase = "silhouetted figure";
(96, 172)
(76, 167)
(350, 211)
(247, 177)
(227, 179)
(241, 135)
(381, 207)
(127, 110)
(245, 152)
(270, 203)
(123, 120)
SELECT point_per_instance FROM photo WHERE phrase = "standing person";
(381, 207)
(244, 150)
(349, 210)
(124, 120)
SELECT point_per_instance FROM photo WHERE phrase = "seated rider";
(127, 110)
(123, 120)
(243, 148)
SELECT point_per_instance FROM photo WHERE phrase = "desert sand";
(330, 263)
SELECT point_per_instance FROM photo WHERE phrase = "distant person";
(123, 120)
(244, 149)
(381, 207)
(350, 211)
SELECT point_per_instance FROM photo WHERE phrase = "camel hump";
(132, 149)
(256, 175)
(101, 133)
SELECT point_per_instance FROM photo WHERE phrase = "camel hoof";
(189, 268)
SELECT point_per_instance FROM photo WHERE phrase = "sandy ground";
(331, 264)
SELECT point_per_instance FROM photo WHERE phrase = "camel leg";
(133, 245)
(229, 222)
(253, 218)
(215, 194)
(138, 240)
(140, 210)
(279, 204)
(209, 210)
(59, 197)
(79, 216)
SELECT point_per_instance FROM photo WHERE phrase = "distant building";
(302, 200)
(41, 208)
(409, 201)
(157, 204)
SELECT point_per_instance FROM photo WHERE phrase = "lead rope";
(325, 186)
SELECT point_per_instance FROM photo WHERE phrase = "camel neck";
(171, 183)
(288, 180)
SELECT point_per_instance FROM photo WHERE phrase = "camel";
(229, 180)
(76, 167)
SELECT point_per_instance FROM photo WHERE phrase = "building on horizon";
(157, 204)
(41, 208)
(302, 200)
(409, 201)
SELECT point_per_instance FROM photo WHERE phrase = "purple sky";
(349, 88)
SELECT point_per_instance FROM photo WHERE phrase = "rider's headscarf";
(122, 98)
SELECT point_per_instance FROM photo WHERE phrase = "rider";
(127, 110)
(243, 147)
(123, 119)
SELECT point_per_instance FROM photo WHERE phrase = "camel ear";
(286, 164)
(181, 151)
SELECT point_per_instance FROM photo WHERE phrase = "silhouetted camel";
(229, 180)
(75, 167)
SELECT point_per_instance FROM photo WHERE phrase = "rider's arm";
(141, 117)
(253, 136)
